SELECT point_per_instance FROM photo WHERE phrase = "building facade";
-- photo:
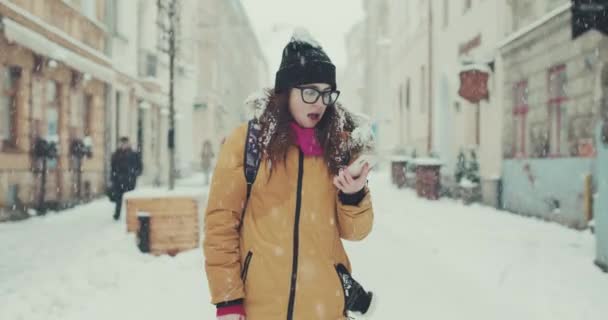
(545, 95)
(416, 51)
(352, 79)
(465, 36)
(79, 75)
(231, 67)
(555, 92)
(55, 71)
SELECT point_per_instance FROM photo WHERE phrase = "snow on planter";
(428, 177)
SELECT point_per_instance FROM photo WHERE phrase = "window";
(52, 116)
(117, 113)
(215, 77)
(581, 129)
(446, 13)
(115, 18)
(151, 63)
(12, 196)
(539, 139)
(408, 19)
(407, 94)
(87, 114)
(37, 97)
(88, 9)
(467, 5)
(422, 89)
(383, 23)
(520, 112)
(552, 4)
(604, 103)
(112, 15)
(401, 98)
(141, 113)
(76, 111)
(556, 84)
(9, 83)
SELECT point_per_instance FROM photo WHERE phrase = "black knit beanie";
(304, 62)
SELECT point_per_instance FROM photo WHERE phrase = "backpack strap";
(252, 159)
(252, 154)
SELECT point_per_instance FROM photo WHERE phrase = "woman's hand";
(350, 185)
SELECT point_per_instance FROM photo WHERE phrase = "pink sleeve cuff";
(235, 309)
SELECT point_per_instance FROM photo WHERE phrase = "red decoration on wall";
(474, 85)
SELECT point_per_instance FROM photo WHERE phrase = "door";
(53, 188)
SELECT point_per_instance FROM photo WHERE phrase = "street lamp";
(168, 22)
(43, 150)
(79, 149)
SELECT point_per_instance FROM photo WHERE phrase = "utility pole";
(430, 77)
(168, 27)
(400, 122)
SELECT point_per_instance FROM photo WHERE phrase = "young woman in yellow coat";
(278, 254)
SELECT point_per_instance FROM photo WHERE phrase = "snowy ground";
(424, 260)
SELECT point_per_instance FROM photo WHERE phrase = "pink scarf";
(306, 140)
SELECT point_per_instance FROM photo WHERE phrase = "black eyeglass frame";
(325, 93)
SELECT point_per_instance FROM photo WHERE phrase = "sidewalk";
(432, 260)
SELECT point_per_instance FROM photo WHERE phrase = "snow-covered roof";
(400, 158)
(544, 19)
(427, 162)
(156, 98)
(57, 31)
(15, 32)
(474, 66)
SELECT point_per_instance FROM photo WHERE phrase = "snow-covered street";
(424, 260)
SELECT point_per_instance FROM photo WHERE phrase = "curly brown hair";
(332, 132)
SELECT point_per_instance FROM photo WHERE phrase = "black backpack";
(252, 154)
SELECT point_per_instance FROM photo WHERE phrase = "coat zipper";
(296, 239)
(246, 266)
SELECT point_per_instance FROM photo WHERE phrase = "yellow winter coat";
(282, 261)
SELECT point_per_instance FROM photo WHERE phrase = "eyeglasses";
(311, 95)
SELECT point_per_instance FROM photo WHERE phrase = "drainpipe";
(108, 115)
(430, 68)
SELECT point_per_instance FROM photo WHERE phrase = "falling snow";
(473, 261)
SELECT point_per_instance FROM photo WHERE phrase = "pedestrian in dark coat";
(126, 167)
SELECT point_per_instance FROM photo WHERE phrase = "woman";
(279, 253)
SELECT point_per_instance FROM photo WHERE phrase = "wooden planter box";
(427, 182)
(428, 178)
(398, 169)
(174, 222)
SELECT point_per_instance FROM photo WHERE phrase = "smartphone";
(356, 167)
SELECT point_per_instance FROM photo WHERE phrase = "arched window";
(604, 101)
(605, 79)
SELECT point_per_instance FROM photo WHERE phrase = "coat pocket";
(246, 266)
